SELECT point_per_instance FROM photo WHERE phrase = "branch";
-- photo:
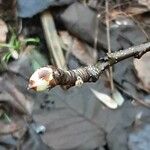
(50, 76)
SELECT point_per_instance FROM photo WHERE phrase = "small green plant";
(15, 45)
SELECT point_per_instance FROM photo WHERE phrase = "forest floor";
(112, 113)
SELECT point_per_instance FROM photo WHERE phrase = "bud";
(41, 79)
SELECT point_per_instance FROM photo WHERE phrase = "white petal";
(117, 96)
(107, 100)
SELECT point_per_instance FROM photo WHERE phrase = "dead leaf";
(77, 118)
(107, 100)
(80, 50)
(145, 3)
(137, 10)
(8, 128)
(15, 97)
(3, 31)
(66, 39)
(83, 52)
(142, 67)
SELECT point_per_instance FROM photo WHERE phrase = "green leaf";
(32, 40)
(6, 57)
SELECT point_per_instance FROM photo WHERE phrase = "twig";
(49, 77)
(108, 43)
(96, 30)
(108, 26)
(138, 87)
(133, 97)
(137, 22)
(52, 39)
